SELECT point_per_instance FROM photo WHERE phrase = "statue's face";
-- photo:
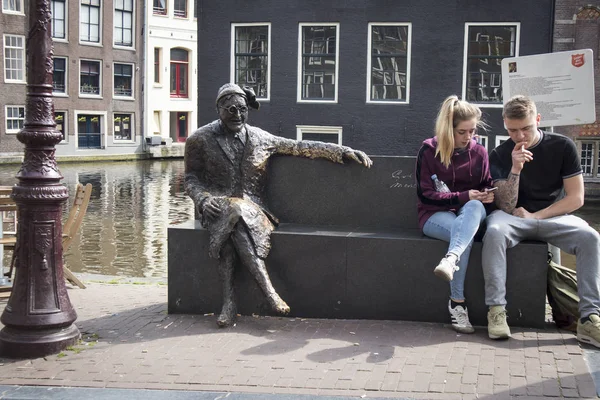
(234, 113)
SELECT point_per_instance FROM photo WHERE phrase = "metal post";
(39, 318)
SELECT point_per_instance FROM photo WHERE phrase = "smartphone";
(491, 189)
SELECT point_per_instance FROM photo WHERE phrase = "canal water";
(124, 232)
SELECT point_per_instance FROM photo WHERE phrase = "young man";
(539, 180)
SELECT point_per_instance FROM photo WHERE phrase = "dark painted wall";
(438, 29)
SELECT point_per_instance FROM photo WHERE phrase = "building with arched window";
(171, 78)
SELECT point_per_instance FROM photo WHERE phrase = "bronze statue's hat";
(247, 93)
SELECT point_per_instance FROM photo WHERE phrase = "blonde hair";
(519, 107)
(452, 112)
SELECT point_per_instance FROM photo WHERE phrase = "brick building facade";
(577, 26)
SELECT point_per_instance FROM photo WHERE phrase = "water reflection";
(125, 229)
(124, 232)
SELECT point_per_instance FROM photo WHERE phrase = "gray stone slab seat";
(349, 246)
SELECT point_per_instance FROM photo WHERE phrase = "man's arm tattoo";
(508, 193)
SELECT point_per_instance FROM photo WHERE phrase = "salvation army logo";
(577, 60)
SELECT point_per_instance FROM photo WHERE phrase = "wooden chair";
(70, 228)
(8, 238)
(73, 223)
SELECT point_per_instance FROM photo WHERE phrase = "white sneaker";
(460, 319)
(445, 269)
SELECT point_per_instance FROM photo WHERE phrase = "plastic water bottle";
(440, 186)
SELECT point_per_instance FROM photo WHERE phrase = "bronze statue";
(225, 175)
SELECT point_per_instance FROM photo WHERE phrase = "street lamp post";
(39, 318)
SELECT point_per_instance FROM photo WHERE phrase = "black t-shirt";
(541, 181)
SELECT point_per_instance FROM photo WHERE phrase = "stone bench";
(349, 247)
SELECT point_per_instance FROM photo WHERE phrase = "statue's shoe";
(278, 305)
(227, 316)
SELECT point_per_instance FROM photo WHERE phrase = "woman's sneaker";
(460, 319)
(445, 269)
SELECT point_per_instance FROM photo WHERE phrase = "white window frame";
(232, 56)
(595, 175)
(64, 125)
(121, 97)
(66, 93)
(326, 130)
(499, 138)
(118, 46)
(483, 140)
(12, 131)
(23, 58)
(131, 124)
(337, 62)
(100, 27)
(369, 60)
(101, 114)
(66, 27)
(88, 95)
(466, 53)
(9, 11)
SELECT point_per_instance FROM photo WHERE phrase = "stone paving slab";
(130, 342)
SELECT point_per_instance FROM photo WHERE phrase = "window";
(590, 158)
(12, 6)
(483, 140)
(157, 55)
(328, 134)
(180, 9)
(14, 58)
(179, 73)
(89, 17)
(250, 56)
(15, 118)
(59, 17)
(500, 139)
(59, 77)
(195, 8)
(123, 35)
(60, 117)
(89, 78)
(122, 127)
(89, 131)
(123, 80)
(159, 7)
(318, 66)
(388, 63)
(156, 125)
(485, 47)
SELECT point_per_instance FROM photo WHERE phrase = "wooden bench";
(349, 247)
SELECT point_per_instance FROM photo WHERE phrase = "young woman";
(454, 213)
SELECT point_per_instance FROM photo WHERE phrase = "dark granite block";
(318, 192)
(328, 272)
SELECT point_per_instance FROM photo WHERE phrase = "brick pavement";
(129, 341)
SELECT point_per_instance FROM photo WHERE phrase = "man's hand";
(484, 197)
(358, 156)
(210, 208)
(520, 156)
(523, 213)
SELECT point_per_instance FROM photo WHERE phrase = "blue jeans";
(459, 230)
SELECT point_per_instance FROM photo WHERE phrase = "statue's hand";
(210, 208)
(358, 156)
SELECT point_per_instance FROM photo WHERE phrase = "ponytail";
(451, 113)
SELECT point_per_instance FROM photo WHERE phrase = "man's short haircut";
(519, 107)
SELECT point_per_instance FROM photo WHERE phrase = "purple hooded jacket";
(469, 169)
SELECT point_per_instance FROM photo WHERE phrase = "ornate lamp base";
(18, 343)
